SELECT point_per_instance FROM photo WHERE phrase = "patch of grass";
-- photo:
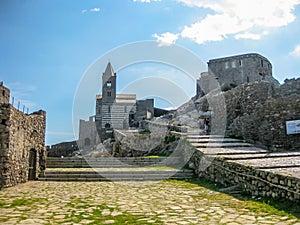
(98, 217)
(267, 206)
(2, 220)
(153, 157)
(78, 204)
(2, 204)
(271, 206)
(23, 202)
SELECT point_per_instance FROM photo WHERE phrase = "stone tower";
(109, 84)
(112, 110)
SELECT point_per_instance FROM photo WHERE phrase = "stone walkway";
(164, 202)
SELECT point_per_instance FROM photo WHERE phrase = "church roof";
(109, 71)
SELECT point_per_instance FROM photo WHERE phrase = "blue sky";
(47, 46)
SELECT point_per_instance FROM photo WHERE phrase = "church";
(113, 111)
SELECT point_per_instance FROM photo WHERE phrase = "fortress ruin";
(22, 142)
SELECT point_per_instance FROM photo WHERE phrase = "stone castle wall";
(4, 94)
(237, 70)
(62, 149)
(234, 71)
(258, 112)
(22, 145)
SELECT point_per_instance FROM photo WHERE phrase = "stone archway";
(32, 164)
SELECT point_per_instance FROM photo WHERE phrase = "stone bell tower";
(109, 78)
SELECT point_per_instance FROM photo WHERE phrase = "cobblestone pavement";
(164, 202)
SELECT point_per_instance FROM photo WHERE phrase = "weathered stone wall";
(4, 94)
(62, 149)
(258, 112)
(290, 86)
(144, 109)
(253, 181)
(88, 135)
(237, 70)
(22, 145)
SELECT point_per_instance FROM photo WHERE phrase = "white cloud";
(296, 51)
(146, 1)
(238, 18)
(248, 35)
(213, 28)
(166, 39)
(90, 10)
(95, 10)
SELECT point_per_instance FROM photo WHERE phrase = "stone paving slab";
(164, 202)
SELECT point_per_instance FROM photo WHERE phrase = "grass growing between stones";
(21, 202)
(193, 201)
(267, 206)
(103, 214)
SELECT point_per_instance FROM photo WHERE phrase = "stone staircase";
(113, 169)
(215, 141)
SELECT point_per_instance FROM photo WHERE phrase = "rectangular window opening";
(233, 64)
(226, 65)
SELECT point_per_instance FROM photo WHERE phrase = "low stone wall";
(253, 181)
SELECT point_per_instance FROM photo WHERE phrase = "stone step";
(105, 159)
(221, 145)
(109, 162)
(109, 175)
(222, 152)
(88, 166)
(193, 135)
(213, 140)
(107, 165)
(121, 172)
(102, 179)
(246, 156)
